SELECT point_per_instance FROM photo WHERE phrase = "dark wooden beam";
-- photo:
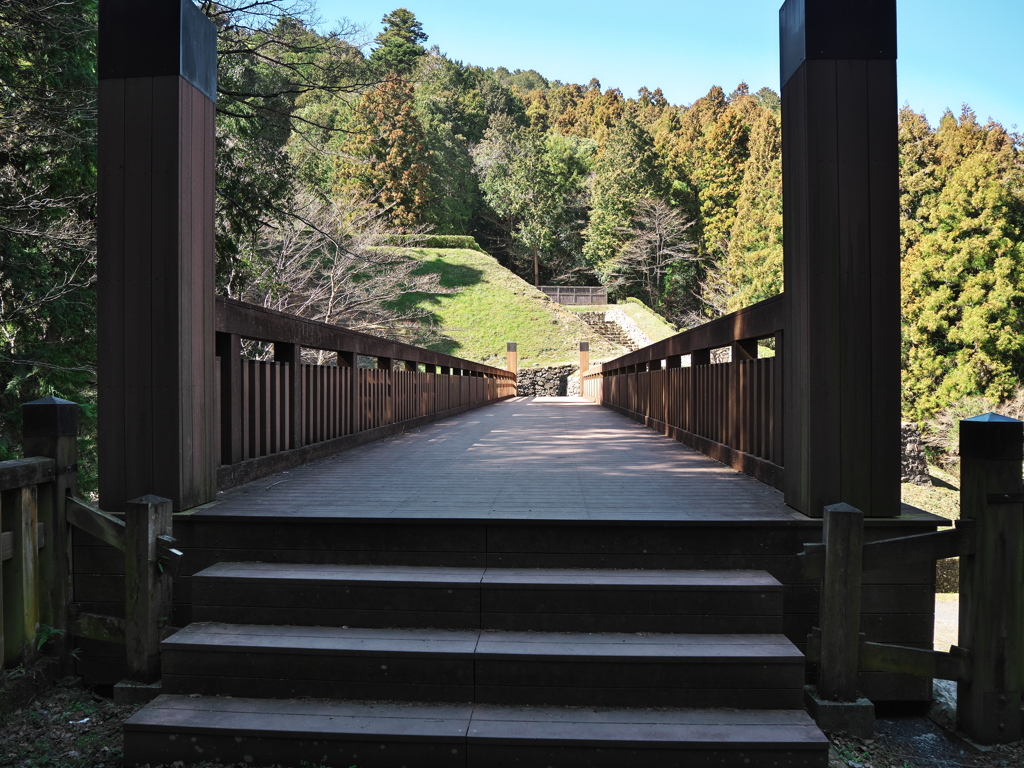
(155, 253)
(841, 225)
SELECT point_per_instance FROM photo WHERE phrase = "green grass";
(650, 322)
(942, 497)
(491, 306)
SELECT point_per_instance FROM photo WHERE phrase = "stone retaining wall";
(914, 467)
(551, 381)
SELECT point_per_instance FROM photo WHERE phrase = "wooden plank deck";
(526, 458)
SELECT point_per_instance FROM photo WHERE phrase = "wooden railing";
(732, 411)
(37, 511)
(274, 415)
(988, 661)
(576, 294)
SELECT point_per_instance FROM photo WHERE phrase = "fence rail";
(988, 662)
(576, 294)
(731, 411)
(277, 414)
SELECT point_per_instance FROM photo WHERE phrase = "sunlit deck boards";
(526, 458)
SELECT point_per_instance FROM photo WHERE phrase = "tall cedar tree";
(398, 45)
(753, 261)
(963, 276)
(384, 156)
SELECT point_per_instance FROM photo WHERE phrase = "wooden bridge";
(381, 556)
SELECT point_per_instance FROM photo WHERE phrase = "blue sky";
(948, 53)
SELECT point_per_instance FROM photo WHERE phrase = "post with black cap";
(988, 706)
(157, 86)
(840, 171)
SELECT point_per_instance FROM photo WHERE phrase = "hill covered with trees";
(334, 156)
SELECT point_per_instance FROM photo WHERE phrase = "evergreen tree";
(627, 170)
(384, 156)
(451, 111)
(47, 212)
(536, 184)
(963, 275)
(753, 260)
(398, 46)
(717, 175)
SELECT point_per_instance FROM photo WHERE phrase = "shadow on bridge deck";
(538, 458)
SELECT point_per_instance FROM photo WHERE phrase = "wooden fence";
(37, 511)
(988, 662)
(576, 294)
(732, 411)
(277, 414)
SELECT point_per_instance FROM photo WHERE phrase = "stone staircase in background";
(609, 330)
(355, 657)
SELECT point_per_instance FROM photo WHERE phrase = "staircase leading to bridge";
(347, 653)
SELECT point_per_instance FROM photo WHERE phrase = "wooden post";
(989, 705)
(291, 354)
(843, 535)
(155, 251)
(51, 430)
(21, 577)
(584, 357)
(840, 170)
(512, 357)
(147, 588)
(229, 350)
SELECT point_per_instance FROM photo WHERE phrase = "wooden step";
(386, 734)
(553, 600)
(603, 669)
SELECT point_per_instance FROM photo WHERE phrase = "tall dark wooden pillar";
(841, 196)
(157, 70)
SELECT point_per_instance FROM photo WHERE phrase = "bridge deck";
(526, 458)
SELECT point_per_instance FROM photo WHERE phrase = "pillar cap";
(993, 437)
(50, 416)
(835, 29)
(158, 38)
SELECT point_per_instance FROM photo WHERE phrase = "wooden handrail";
(758, 321)
(261, 324)
(275, 415)
(732, 412)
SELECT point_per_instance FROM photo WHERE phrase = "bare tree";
(656, 243)
(338, 261)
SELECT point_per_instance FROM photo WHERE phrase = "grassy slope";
(650, 322)
(942, 497)
(492, 306)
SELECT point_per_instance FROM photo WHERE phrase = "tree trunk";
(536, 269)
